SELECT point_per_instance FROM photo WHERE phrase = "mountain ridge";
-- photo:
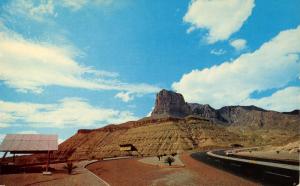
(171, 104)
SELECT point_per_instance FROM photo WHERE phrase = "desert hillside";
(176, 126)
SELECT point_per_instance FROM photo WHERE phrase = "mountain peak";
(172, 104)
(169, 103)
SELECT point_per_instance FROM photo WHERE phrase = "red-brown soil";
(132, 172)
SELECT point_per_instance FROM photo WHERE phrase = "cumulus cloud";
(125, 96)
(219, 18)
(238, 44)
(273, 65)
(286, 99)
(30, 66)
(68, 112)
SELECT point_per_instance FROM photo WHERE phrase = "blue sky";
(66, 65)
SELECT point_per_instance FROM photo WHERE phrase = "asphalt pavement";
(263, 173)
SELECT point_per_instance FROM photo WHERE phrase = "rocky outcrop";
(170, 104)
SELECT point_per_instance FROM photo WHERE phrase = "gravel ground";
(161, 162)
(132, 172)
(80, 176)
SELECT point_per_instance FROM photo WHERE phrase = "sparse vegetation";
(70, 166)
(159, 156)
(174, 154)
(169, 160)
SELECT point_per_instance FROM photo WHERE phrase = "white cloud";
(149, 113)
(35, 10)
(40, 10)
(68, 112)
(287, 99)
(30, 66)
(125, 96)
(28, 132)
(2, 136)
(238, 44)
(78, 4)
(220, 18)
(273, 65)
(74, 4)
(60, 140)
(5, 119)
(4, 125)
(218, 52)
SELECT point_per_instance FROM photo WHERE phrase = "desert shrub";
(169, 160)
(70, 166)
(174, 154)
(158, 156)
(277, 151)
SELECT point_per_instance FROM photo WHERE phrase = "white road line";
(277, 174)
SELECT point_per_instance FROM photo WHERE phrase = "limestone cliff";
(172, 104)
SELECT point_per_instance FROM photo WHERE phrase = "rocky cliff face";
(172, 104)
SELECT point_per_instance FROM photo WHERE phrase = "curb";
(103, 181)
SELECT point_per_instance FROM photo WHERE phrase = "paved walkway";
(80, 176)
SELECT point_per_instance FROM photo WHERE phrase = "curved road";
(264, 172)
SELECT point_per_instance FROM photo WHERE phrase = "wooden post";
(3, 156)
(48, 161)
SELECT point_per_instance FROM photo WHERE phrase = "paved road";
(264, 174)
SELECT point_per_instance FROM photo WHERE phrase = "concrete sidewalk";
(80, 176)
